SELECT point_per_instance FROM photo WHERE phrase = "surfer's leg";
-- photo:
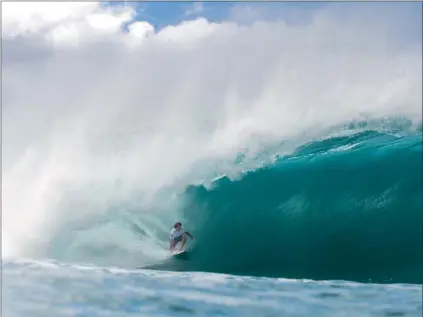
(175, 242)
(184, 238)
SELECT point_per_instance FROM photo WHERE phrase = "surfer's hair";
(177, 224)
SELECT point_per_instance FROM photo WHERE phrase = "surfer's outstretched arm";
(189, 235)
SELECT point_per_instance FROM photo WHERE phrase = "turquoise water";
(341, 208)
(330, 229)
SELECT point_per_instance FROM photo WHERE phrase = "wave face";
(346, 207)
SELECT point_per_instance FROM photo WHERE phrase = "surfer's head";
(177, 226)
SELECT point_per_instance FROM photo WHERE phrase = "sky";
(101, 100)
(161, 14)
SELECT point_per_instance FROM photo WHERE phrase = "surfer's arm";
(189, 235)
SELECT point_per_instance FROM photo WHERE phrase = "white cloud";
(32, 17)
(195, 9)
(103, 106)
(141, 29)
(64, 23)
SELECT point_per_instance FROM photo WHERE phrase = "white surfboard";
(177, 252)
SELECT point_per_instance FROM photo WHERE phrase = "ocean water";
(331, 229)
(34, 288)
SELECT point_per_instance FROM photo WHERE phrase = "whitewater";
(290, 148)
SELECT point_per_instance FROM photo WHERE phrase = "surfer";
(178, 234)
